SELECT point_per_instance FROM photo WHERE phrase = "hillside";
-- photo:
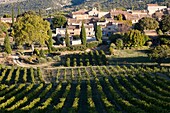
(75, 4)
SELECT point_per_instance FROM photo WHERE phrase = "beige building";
(94, 12)
(75, 30)
(80, 15)
(7, 20)
(136, 15)
(87, 14)
(152, 8)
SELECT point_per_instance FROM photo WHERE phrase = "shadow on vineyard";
(97, 89)
(140, 59)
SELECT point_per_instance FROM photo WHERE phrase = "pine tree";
(7, 44)
(83, 35)
(67, 39)
(98, 33)
(50, 41)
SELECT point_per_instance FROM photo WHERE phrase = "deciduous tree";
(147, 23)
(159, 53)
(31, 28)
(165, 23)
(134, 38)
(59, 21)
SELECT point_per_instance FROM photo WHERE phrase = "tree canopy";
(30, 28)
(59, 21)
(165, 23)
(159, 53)
(147, 23)
(134, 38)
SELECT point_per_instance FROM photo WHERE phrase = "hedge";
(77, 47)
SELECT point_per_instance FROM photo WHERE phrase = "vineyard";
(86, 59)
(97, 89)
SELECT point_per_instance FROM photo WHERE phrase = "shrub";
(68, 62)
(49, 59)
(42, 60)
(70, 48)
(57, 58)
(119, 43)
(81, 63)
(41, 53)
(88, 63)
(75, 37)
(75, 64)
(111, 49)
(92, 44)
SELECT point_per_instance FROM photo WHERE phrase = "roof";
(80, 12)
(78, 26)
(152, 4)
(70, 20)
(117, 12)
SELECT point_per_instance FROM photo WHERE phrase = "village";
(111, 22)
(116, 20)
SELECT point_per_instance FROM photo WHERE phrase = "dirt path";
(18, 63)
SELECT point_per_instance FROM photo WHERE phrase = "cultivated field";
(102, 89)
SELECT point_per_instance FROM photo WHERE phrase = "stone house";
(87, 14)
(80, 15)
(152, 8)
(75, 30)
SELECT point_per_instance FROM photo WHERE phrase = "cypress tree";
(18, 10)
(50, 41)
(7, 44)
(83, 35)
(98, 33)
(12, 15)
(39, 11)
(67, 39)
